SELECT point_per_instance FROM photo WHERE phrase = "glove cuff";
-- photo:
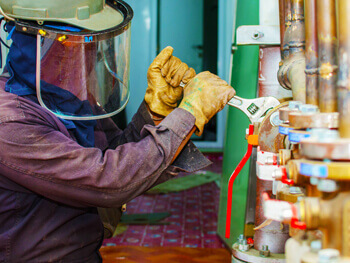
(201, 119)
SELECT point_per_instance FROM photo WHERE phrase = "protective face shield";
(79, 64)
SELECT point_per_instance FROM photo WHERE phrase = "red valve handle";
(295, 223)
(284, 178)
(232, 180)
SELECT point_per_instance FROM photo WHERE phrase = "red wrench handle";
(232, 180)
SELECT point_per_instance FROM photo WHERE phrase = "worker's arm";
(38, 154)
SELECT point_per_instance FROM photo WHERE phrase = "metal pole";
(344, 69)
(327, 56)
(311, 52)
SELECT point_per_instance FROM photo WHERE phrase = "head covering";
(21, 64)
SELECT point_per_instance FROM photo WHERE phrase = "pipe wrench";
(255, 109)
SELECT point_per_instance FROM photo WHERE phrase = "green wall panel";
(244, 80)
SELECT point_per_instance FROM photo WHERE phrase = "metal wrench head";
(255, 109)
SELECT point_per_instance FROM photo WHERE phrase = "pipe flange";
(253, 255)
(338, 149)
(317, 120)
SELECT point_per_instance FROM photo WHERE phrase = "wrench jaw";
(255, 109)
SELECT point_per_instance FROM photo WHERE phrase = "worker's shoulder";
(9, 107)
(14, 108)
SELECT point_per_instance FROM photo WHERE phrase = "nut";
(308, 108)
(294, 104)
(295, 190)
(327, 186)
(328, 255)
(316, 245)
(264, 252)
(243, 246)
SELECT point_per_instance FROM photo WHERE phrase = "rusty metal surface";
(252, 256)
(297, 34)
(318, 120)
(337, 150)
(269, 58)
(270, 140)
(344, 112)
(344, 68)
(297, 78)
(287, 28)
(275, 234)
(282, 16)
(327, 55)
(284, 113)
(311, 52)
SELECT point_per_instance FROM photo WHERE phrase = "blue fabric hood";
(21, 64)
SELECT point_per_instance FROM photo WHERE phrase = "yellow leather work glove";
(164, 77)
(204, 96)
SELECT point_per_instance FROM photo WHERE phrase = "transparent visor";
(90, 78)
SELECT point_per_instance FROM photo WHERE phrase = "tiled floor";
(192, 223)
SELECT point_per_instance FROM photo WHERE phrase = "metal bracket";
(258, 35)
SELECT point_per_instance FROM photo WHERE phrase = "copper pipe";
(311, 55)
(331, 216)
(344, 69)
(296, 77)
(291, 73)
(282, 23)
(297, 37)
(287, 26)
(327, 57)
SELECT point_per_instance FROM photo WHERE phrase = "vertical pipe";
(282, 22)
(297, 37)
(311, 55)
(275, 234)
(344, 68)
(287, 28)
(327, 58)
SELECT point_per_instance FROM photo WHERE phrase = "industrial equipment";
(301, 147)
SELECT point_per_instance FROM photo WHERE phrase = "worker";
(65, 167)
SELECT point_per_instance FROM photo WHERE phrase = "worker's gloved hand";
(204, 96)
(164, 77)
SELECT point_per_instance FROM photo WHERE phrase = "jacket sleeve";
(132, 133)
(49, 163)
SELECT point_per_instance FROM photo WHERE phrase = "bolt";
(314, 180)
(244, 245)
(294, 104)
(316, 245)
(308, 108)
(277, 174)
(271, 160)
(257, 34)
(327, 186)
(240, 238)
(264, 252)
(328, 255)
(295, 190)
